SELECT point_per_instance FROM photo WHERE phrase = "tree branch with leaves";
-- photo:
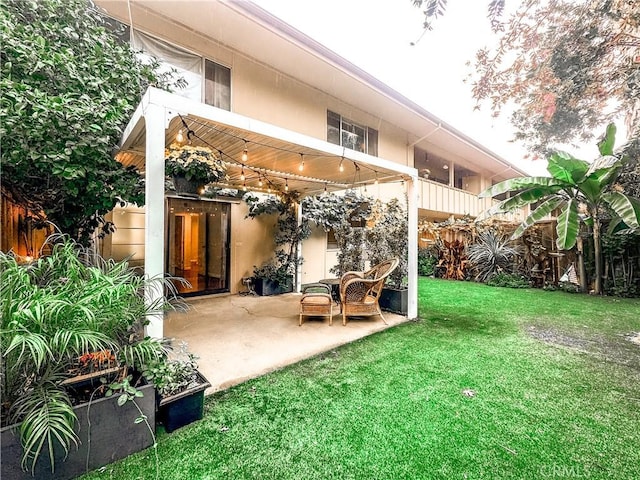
(68, 89)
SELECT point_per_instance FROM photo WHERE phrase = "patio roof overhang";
(274, 156)
(274, 152)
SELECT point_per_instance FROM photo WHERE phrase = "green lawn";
(490, 383)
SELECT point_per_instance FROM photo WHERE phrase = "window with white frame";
(205, 80)
(342, 131)
(217, 85)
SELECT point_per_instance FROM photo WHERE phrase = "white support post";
(412, 212)
(154, 211)
(298, 279)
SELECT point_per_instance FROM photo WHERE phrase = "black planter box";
(183, 408)
(113, 435)
(264, 287)
(395, 301)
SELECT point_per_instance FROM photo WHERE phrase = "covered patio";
(239, 337)
(259, 157)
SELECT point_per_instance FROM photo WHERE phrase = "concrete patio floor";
(241, 337)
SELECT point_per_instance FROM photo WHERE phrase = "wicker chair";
(360, 291)
(316, 301)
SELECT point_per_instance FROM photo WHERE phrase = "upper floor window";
(205, 80)
(430, 166)
(217, 85)
(120, 30)
(342, 131)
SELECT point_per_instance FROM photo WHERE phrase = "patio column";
(154, 211)
(412, 213)
(298, 280)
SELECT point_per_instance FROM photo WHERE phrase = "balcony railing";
(441, 198)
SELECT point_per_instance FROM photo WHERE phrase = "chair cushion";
(316, 299)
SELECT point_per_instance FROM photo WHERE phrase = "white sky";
(376, 35)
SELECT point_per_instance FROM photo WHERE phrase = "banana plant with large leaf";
(580, 190)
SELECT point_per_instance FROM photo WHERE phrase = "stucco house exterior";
(307, 119)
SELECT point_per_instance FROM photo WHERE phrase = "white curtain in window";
(188, 65)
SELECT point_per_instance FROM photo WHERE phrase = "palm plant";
(583, 192)
(490, 255)
(52, 312)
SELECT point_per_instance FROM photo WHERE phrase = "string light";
(261, 177)
(325, 188)
(245, 153)
(376, 181)
(286, 184)
(244, 186)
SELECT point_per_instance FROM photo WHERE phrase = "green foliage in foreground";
(491, 383)
(68, 89)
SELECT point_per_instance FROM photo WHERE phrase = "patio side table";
(334, 283)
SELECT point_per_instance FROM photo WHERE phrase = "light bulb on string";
(180, 136)
(242, 177)
(286, 184)
(244, 186)
(259, 180)
(341, 168)
(376, 180)
(245, 153)
(301, 167)
(325, 188)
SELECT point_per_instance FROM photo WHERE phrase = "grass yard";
(491, 383)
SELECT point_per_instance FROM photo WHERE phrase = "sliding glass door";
(198, 246)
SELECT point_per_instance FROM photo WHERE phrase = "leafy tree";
(387, 238)
(68, 88)
(565, 65)
(335, 212)
(436, 8)
(287, 235)
(583, 192)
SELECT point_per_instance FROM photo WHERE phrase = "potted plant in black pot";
(179, 388)
(191, 167)
(71, 327)
(387, 238)
(276, 275)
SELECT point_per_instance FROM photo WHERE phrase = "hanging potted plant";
(191, 167)
(179, 388)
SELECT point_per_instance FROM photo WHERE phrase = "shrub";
(509, 280)
(490, 255)
(427, 260)
(66, 307)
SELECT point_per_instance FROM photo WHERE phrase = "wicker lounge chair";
(360, 291)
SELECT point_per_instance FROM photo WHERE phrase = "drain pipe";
(424, 137)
